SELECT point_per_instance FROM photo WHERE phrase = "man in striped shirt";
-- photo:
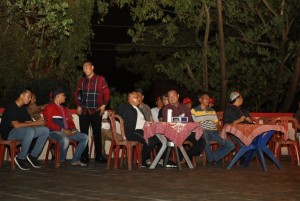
(207, 117)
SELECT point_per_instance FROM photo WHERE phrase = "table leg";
(266, 150)
(242, 151)
(177, 157)
(186, 157)
(161, 151)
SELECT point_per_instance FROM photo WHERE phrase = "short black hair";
(201, 93)
(23, 90)
(139, 90)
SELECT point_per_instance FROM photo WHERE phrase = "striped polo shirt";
(207, 118)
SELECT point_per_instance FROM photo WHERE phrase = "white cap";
(234, 95)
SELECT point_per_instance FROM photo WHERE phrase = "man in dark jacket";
(134, 121)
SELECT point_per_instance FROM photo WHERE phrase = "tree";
(259, 44)
(49, 39)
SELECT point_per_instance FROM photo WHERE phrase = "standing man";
(211, 127)
(17, 124)
(91, 97)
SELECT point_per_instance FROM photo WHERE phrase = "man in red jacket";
(62, 127)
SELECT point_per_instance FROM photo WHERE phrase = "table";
(255, 137)
(176, 132)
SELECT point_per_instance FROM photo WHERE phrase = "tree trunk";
(222, 56)
(293, 85)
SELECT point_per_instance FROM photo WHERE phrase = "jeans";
(95, 120)
(226, 145)
(26, 135)
(64, 140)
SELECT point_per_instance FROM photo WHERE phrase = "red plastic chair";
(292, 144)
(57, 150)
(12, 147)
(117, 144)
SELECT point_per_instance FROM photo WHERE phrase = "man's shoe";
(100, 160)
(78, 163)
(21, 163)
(171, 164)
(33, 161)
(85, 160)
(210, 163)
(144, 164)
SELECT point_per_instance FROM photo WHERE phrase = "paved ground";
(203, 183)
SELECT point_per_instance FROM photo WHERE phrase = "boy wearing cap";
(188, 102)
(63, 129)
(211, 130)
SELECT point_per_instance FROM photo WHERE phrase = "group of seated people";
(58, 125)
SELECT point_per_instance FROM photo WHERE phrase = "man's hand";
(40, 122)
(67, 132)
(79, 110)
(102, 109)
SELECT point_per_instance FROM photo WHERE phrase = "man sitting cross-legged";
(211, 130)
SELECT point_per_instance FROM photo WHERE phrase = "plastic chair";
(117, 144)
(57, 150)
(291, 143)
(12, 147)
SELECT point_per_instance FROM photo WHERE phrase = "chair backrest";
(115, 121)
(265, 120)
(286, 121)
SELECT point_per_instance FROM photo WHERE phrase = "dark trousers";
(139, 136)
(198, 145)
(95, 120)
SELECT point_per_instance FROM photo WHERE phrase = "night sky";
(108, 34)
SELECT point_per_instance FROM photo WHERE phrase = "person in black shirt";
(16, 124)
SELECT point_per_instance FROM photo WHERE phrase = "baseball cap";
(234, 95)
(186, 100)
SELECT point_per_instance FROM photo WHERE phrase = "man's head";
(159, 102)
(33, 98)
(133, 98)
(140, 94)
(236, 98)
(188, 102)
(88, 69)
(165, 99)
(203, 98)
(173, 97)
(58, 95)
(24, 95)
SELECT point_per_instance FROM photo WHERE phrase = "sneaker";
(144, 164)
(171, 164)
(210, 163)
(148, 161)
(33, 161)
(100, 160)
(21, 163)
(63, 164)
(161, 162)
(78, 163)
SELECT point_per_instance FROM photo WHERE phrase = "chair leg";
(129, 157)
(12, 155)
(116, 156)
(57, 154)
(109, 156)
(2, 149)
(297, 154)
